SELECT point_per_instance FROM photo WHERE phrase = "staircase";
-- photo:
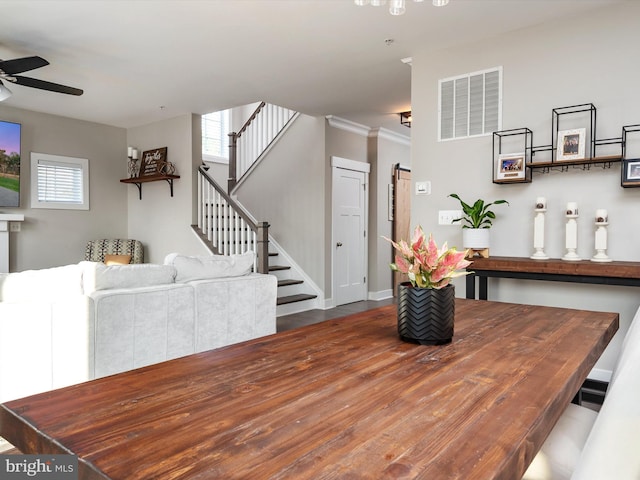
(227, 229)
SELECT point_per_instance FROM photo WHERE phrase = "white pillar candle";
(135, 154)
(572, 208)
(129, 152)
(541, 202)
(601, 215)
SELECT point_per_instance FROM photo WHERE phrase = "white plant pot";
(475, 238)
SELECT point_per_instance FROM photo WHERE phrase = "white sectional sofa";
(65, 325)
(604, 445)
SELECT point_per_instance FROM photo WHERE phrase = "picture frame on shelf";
(571, 144)
(152, 161)
(631, 172)
(511, 166)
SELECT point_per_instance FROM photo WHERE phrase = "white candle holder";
(601, 243)
(133, 164)
(571, 240)
(538, 234)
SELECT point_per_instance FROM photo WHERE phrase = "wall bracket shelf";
(138, 181)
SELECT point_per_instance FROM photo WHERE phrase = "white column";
(5, 218)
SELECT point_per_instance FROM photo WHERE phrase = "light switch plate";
(423, 188)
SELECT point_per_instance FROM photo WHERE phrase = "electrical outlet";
(446, 217)
(14, 226)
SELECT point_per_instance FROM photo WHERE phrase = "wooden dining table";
(341, 399)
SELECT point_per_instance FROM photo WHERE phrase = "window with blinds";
(215, 136)
(59, 182)
(470, 105)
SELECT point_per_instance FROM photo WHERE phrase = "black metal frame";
(555, 126)
(497, 145)
(483, 276)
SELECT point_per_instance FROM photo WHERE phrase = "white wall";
(160, 221)
(590, 59)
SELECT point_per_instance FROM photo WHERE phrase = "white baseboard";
(381, 295)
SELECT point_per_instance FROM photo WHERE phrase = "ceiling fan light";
(438, 3)
(396, 7)
(4, 92)
(361, 3)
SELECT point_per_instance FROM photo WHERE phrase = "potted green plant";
(426, 304)
(476, 220)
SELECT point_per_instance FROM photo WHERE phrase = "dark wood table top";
(342, 399)
(555, 266)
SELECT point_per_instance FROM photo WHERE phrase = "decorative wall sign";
(571, 144)
(511, 166)
(153, 161)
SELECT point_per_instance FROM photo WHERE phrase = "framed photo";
(511, 166)
(631, 172)
(9, 164)
(570, 144)
(153, 161)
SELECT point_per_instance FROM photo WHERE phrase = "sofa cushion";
(211, 266)
(97, 276)
(47, 284)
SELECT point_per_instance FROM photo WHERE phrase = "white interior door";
(349, 232)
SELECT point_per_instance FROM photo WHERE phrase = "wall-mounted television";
(9, 164)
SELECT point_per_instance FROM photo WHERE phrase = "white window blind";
(215, 136)
(59, 182)
(470, 105)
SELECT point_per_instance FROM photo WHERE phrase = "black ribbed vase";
(425, 315)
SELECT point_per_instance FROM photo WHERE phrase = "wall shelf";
(585, 164)
(630, 168)
(138, 181)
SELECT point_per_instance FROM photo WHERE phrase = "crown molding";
(348, 125)
(363, 130)
(390, 135)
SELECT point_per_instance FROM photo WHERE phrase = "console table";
(555, 270)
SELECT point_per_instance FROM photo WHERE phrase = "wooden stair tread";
(289, 281)
(294, 298)
(273, 268)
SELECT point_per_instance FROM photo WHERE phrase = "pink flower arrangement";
(425, 264)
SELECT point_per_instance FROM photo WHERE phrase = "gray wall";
(159, 221)
(287, 190)
(385, 151)
(58, 237)
(590, 59)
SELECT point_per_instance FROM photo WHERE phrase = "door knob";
(339, 244)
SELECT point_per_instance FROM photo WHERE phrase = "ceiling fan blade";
(43, 85)
(20, 65)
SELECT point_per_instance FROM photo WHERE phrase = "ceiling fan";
(9, 69)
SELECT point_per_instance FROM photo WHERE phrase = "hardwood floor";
(295, 320)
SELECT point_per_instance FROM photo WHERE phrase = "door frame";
(346, 164)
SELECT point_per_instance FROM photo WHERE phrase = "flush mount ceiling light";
(396, 7)
(405, 118)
